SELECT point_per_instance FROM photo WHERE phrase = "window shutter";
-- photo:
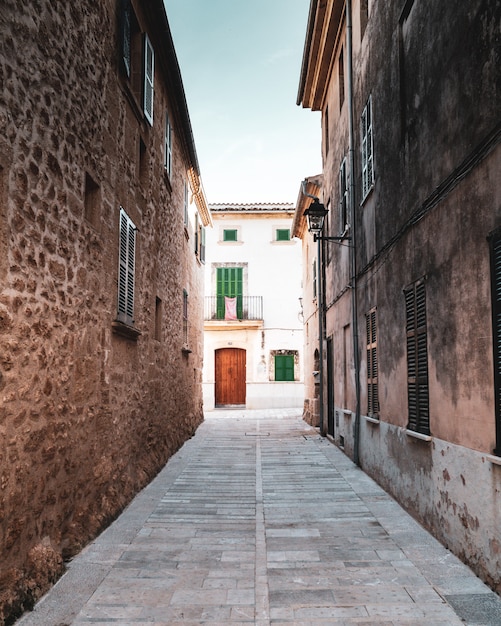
(202, 244)
(283, 234)
(417, 359)
(230, 235)
(495, 244)
(372, 365)
(168, 146)
(126, 269)
(149, 63)
(284, 367)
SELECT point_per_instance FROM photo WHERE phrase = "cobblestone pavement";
(259, 520)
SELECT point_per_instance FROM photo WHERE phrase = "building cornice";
(324, 26)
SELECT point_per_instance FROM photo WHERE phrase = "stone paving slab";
(259, 520)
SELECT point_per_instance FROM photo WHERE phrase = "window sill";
(495, 460)
(124, 330)
(416, 435)
(371, 420)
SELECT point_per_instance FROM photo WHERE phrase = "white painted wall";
(273, 272)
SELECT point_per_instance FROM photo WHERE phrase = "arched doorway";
(230, 377)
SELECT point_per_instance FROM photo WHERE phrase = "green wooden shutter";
(229, 282)
(230, 235)
(283, 234)
(284, 367)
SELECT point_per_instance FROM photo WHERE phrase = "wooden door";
(230, 376)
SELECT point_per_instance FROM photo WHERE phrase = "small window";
(343, 198)
(168, 146)
(326, 130)
(417, 359)
(148, 74)
(284, 367)
(230, 235)
(283, 234)
(341, 78)
(372, 364)
(126, 269)
(92, 201)
(158, 319)
(185, 317)
(367, 150)
(143, 162)
(199, 239)
(185, 204)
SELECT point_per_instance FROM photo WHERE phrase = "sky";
(240, 62)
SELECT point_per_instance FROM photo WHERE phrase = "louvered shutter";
(372, 365)
(417, 359)
(126, 269)
(495, 243)
(149, 68)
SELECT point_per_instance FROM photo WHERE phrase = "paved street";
(259, 520)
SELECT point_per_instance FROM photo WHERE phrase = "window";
(417, 359)
(185, 317)
(129, 26)
(168, 146)
(229, 284)
(367, 150)
(126, 269)
(185, 204)
(282, 234)
(341, 78)
(284, 367)
(364, 16)
(372, 364)
(199, 239)
(495, 249)
(343, 198)
(148, 74)
(92, 201)
(230, 235)
(158, 319)
(326, 130)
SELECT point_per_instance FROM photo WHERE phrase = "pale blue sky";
(240, 62)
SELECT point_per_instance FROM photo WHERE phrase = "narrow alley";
(259, 520)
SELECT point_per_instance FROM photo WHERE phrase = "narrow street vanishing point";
(260, 520)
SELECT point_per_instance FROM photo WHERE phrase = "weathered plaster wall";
(87, 417)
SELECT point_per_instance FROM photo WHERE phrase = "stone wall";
(87, 416)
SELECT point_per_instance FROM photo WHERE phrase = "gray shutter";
(149, 70)
(126, 269)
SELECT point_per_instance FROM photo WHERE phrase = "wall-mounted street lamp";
(315, 216)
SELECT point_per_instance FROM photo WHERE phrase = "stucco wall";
(87, 417)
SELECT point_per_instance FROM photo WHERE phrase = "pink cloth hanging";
(230, 308)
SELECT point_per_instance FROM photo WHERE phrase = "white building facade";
(253, 354)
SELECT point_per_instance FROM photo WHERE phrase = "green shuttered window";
(284, 367)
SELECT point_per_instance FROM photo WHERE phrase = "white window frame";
(126, 269)
(168, 146)
(149, 73)
(367, 149)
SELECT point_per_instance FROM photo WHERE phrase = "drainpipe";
(320, 309)
(353, 258)
(320, 312)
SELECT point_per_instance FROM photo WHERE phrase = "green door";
(229, 284)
